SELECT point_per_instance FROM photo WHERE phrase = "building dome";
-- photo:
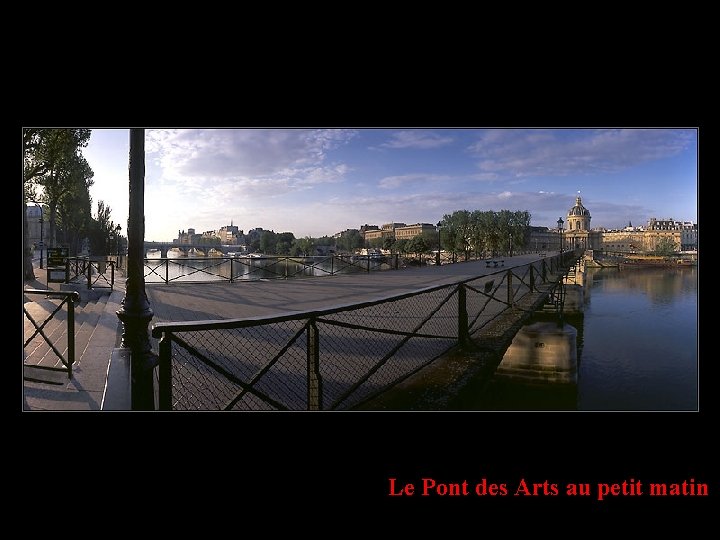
(578, 217)
(579, 209)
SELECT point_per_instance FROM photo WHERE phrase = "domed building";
(578, 217)
(578, 231)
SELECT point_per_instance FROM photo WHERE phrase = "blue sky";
(316, 182)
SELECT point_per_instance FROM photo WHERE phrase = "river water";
(636, 345)
(639, 348)
(177, 268)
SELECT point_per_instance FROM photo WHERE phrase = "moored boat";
(644, 261)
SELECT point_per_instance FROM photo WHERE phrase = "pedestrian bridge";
(340, 342)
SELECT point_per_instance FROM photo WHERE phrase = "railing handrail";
(246, 322)
(56, 294)
(70, 298)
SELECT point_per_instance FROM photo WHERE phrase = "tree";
(75, 218)
(33, 166)
(388, 243)
(417, 245)
(304, 246)
(65, 169)
(665, 246)
(268, 242)
(102, 231)
(401, 246)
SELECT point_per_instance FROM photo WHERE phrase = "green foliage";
(388, 243)
(102, 232)
(349, 241)
(484, 231)
(665, 246)
(417, 245)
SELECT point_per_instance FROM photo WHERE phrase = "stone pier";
(542, 352)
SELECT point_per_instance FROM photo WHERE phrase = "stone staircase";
(97, 332)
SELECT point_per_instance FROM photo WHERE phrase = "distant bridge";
(164, 247)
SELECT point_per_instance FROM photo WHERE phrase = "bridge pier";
(164, 251)
(574, 283)
(541, 353)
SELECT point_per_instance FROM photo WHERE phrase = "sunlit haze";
(316, 182)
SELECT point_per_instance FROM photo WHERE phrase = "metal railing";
(335, 358)
(98, 273)
(232, 269)
(70, 298)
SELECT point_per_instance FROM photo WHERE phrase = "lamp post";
(437, 258)
(42, 227)
(136, 313)
(117, 240)
(510, 245)
(560, 230)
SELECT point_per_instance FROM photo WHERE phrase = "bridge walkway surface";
(437, 386)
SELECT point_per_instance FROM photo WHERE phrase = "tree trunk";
(28, 272)
(52, 208)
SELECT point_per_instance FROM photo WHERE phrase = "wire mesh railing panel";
(181, 270)
(251, 356)
(286, 380)
(411, 356)
(196, 386)
(438, 308)
(348, 355)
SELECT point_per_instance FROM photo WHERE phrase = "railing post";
(231, 269)
(165, 374)
(532, 278)
(112, 275)
(368, 259)
(314, 381)
(89, 275)
(167, 263)
(544, 270)
(67, 270)
(509, 288)
(332, 265)
(71, 334)
(463, 330)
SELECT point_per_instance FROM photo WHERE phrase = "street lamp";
(42, 228)
(560, 230)
(437, 258)
(117, 240)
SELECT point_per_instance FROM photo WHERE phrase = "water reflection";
(636, 347)
(178, 267)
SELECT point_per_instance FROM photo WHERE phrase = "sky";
(316, 182)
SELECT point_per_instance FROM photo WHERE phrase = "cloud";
(282, 159)
(417, 139)
(520, 153)
(405, 180)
